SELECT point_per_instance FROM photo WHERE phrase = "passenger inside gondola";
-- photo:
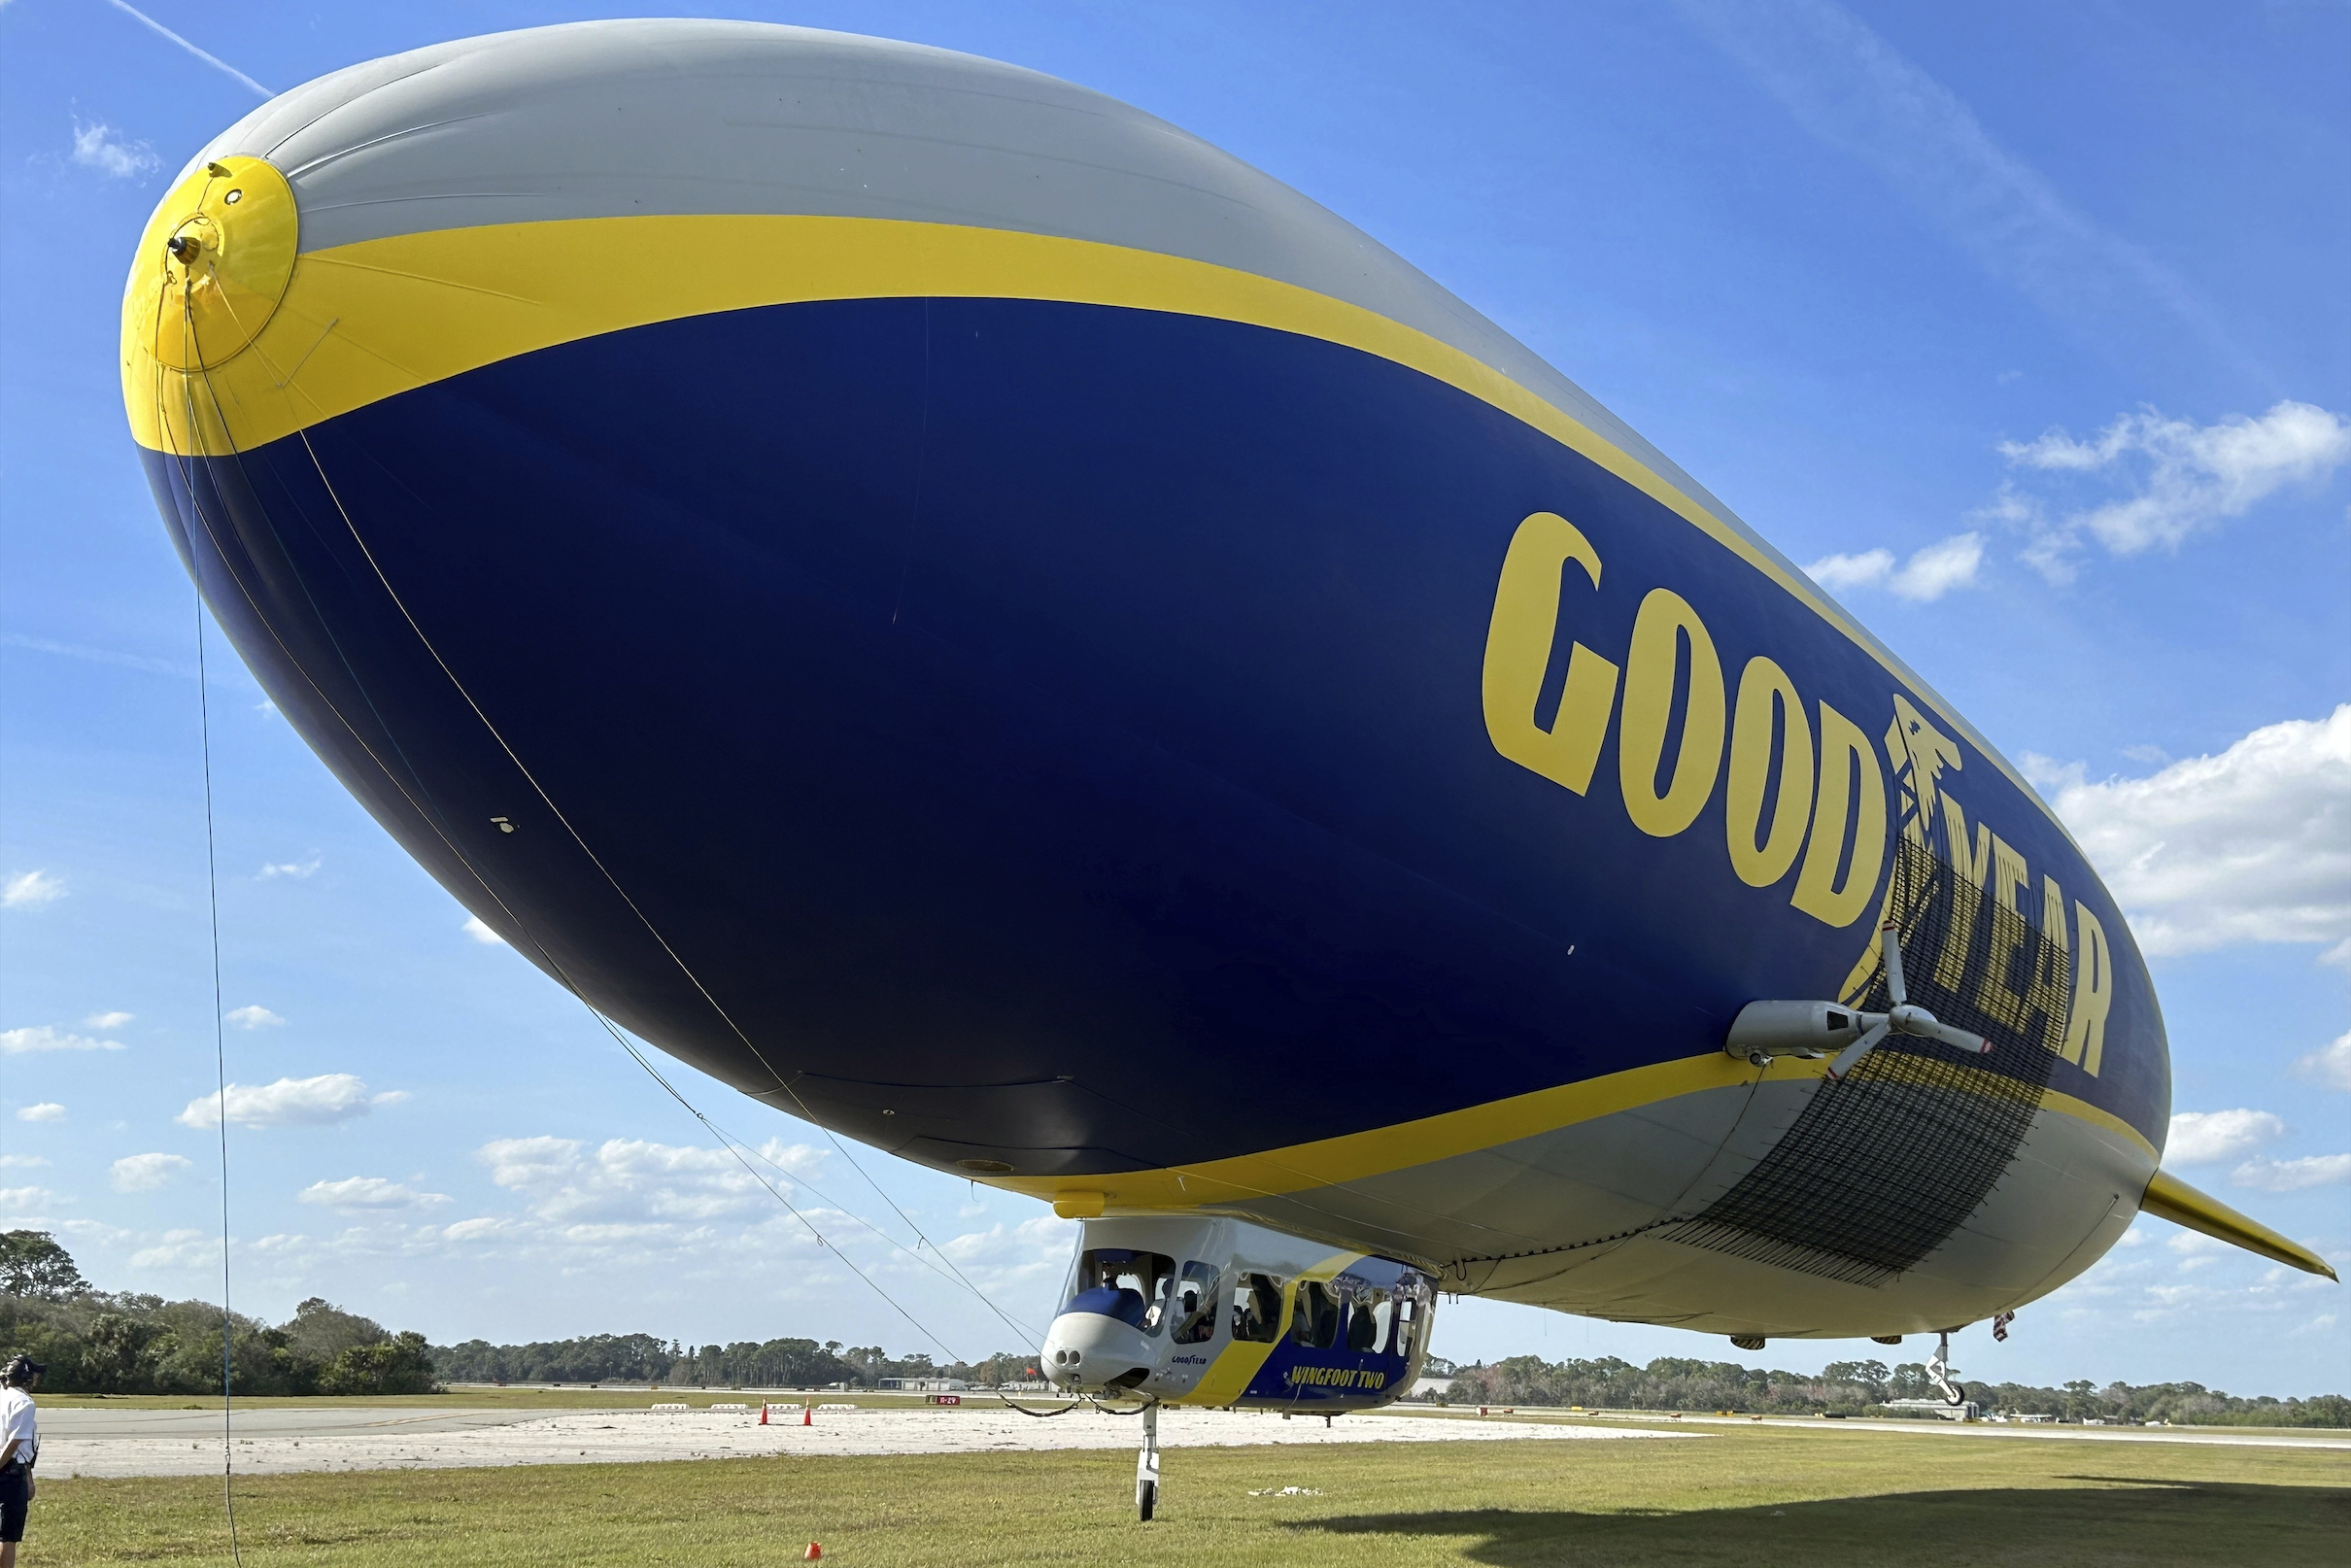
(1316, 1325)
(1257, 1310)
(1196, 1299)
(1119, 1282)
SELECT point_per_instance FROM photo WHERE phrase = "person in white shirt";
(20, 1448)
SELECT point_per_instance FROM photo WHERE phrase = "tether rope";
(383, 580)
(431, 813)
(219, 1035)
(220, 1045)
(182, 461)
(563, 974)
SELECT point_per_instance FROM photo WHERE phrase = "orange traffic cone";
(807, 1415)
(762, 1413)
(813, 1552)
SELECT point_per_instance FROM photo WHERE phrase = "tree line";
(125, 1342)
(779, 1363)
(1856, 1388)
(97, 1342)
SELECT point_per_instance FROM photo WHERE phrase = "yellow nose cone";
(215, 262)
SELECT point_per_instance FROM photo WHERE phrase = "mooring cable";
(547, 798)
(432, 815)
(728, 1144)
(951, 1274)
(211, 873)
(220, 1038)
(807, 1114)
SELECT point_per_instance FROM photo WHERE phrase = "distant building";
(1937, 1409)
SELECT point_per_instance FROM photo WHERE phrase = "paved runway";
(130, 1423)
(280, 1441)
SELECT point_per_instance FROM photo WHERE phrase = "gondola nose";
(1087, 1350)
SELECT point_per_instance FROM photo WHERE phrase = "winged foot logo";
(1833, 821)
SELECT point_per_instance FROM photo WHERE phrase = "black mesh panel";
(1878, 1170)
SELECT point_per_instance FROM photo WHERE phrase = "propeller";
(1764, 1030)
(1905, 1019)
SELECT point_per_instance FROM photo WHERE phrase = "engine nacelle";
(1196, 1310)
(1767, 1029)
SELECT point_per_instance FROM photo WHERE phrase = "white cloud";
(145, 1173)
(2165, 1303)
(584, 1211)
(630, 1179)
(2180, 477)
(46, 1110)
(368, 1193)
(20, 1161)
(2210, 1277)
(98, 146)
(1008, 1261)
(179, 1250)
(529, 1162)
(42, 1038)
(296, 870)
(1926, 577)
(1841, 573)
(2194, 1245)
(2049, 775)
(31, 890)
(106, 1020)
(2251, 846)
(2201, 1136)
(479, 929)
(2292, 1176)
(2340, 955)
(584, 1208)
(1937, 569)
(2330, 1063)
(1853, 90)
(253, 1016)
(328, 1098)
(25, 1199)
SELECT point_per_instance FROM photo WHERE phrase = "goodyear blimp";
(988, 623)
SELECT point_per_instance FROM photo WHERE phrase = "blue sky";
(2024, 324)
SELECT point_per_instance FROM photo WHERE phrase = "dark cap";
(20, 1368)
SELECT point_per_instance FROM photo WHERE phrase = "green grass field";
(1757, 1496)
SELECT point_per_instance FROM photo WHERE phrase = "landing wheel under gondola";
(1146, 1465)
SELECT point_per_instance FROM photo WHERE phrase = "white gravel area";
(279, 1442)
